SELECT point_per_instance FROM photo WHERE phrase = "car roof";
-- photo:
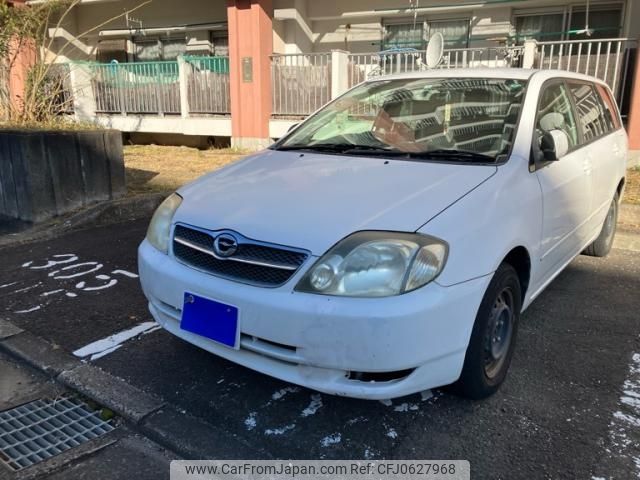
(515, 73)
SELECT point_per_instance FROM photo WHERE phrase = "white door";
(565, 183)
(601, 131)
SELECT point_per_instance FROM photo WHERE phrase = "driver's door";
(565, 183)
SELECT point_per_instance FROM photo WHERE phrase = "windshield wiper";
(347, 148)
(464, 155)
(373, 150)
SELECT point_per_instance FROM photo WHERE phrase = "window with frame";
(555, 113)
(110, 50)
(590, 110)
(454, 32)
(605, 21)
(404, 35)
(156, 49)
(220, 43)
(541, 27)
(610, 108)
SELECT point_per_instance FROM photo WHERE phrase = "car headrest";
(552, 121)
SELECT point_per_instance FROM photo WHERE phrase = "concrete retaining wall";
(48, 173)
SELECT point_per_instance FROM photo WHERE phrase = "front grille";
(252, 262)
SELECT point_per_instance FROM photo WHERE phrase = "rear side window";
(610, 108)
(590, 110)
(555, 113)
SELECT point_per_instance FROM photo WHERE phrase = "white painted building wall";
(358, 25)
(304, 26)
(158, 18)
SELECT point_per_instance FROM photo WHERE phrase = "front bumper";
(316, 340)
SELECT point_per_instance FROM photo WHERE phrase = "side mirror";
(292, 127)
(554, 145)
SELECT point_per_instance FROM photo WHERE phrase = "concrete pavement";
(112, 456)
(564, 411)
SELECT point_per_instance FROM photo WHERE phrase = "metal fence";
(145, 87)
(58, 88)
(507, 56)
(607, 59)
(300, 83)
(366, 65)
(208, 85)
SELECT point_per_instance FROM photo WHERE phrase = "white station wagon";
(389, 243)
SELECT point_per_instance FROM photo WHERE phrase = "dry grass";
(632, 189)
(153, 168)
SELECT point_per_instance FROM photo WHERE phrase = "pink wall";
(633, 128)
(22, 56)
(250, 37)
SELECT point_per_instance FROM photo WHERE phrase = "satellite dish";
(435, 50)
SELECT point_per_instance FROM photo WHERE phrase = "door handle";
(586, 165)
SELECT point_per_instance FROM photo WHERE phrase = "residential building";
(249, 69)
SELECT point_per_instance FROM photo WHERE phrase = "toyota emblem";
(225, 245)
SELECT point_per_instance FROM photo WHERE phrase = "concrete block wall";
(45, 173)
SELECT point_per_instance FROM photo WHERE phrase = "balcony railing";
(607, 59)
(150, 88)
(366, 65)
(300, 83)
(208, 85)
(143, 88)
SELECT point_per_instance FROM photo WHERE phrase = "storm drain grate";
(41, 429)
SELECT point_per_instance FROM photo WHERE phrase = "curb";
(115, 211)
(150, 416)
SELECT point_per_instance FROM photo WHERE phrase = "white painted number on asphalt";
(67, 266)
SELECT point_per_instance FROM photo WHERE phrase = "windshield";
(461, 119)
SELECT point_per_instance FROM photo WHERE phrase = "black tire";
(601, 246)
(483, 373)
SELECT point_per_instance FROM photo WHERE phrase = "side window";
(610, 108)
(590, 110)
(555, 113)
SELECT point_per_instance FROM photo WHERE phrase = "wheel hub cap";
(499, 333)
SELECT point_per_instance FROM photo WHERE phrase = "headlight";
(160, 226)
(376, 264)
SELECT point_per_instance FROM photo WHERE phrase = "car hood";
(313, 200)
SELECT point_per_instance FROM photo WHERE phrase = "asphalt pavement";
(570, 407)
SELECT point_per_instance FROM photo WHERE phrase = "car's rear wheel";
(493, 337)
(601, 246)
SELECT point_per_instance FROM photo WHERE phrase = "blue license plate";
(214, 320)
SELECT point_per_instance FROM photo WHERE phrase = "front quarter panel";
(481, 228)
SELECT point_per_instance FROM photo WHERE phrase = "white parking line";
(624, 429)
(29, 310)
(104, 346)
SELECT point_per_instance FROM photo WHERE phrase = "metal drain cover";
(41, 429)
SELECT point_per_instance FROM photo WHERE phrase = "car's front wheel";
(601, 246)
(493, 337)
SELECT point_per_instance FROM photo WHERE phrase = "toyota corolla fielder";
(390, 242)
